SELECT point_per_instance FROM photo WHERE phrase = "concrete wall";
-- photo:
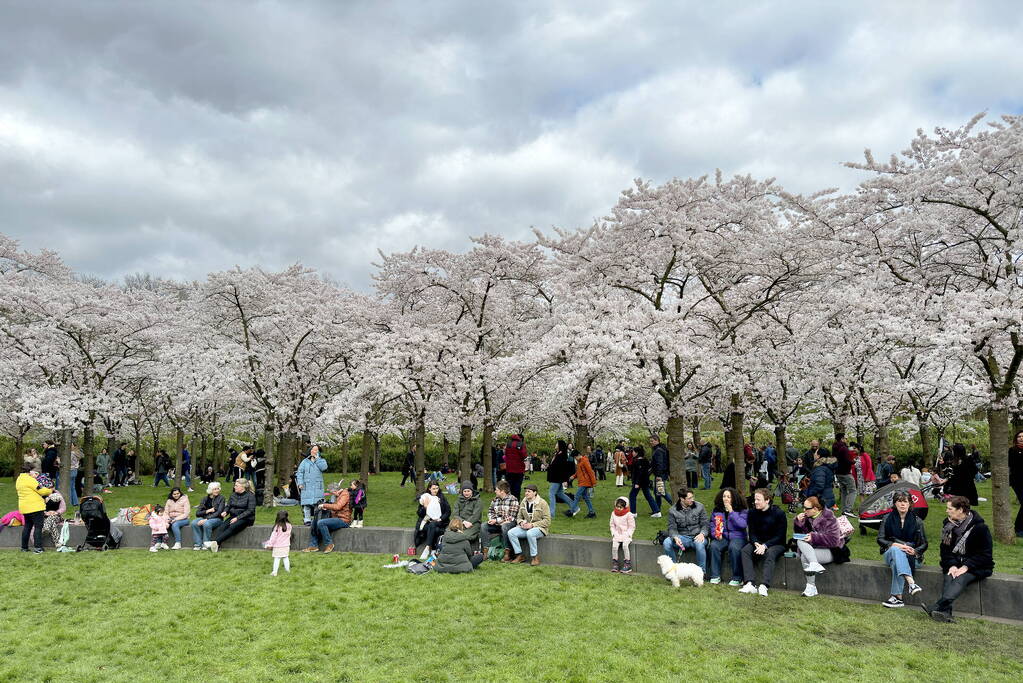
(999, 596)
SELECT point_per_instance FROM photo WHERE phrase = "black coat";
(445, 518)
(242, 506)
(641, 472)
(977, 554)
(560, 470)
(215, 502)
(918, 542)
(659, 461)
(961, 483)
(767, 527)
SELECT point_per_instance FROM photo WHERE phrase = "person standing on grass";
(161, 467)
(456, 555)
(1016, 478)
(534, 521)
(408, 468)
(843, 474)
(822, 480)
(239, 515)
(640, 469)
(687, 528)
(102, 467)
(207, 517)
(965, 555)
(280, 542)
(903, 542)
(819, 541)
(587, 481)
(310, 482)
(660, 467)
(340, 518)
(692, 464)
(962, 483)
(178, 512)
(558, 473)
(186, 468)
(515, 463)
(623, 526)
(502, 516)
(766, 524)
(727, 529)
(706, 460)
(32, 506)
(618, 458)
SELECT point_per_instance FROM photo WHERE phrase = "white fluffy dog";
(677, 572)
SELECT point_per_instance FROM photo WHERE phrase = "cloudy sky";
(178, 138)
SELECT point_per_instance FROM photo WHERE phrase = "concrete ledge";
(1000, 596)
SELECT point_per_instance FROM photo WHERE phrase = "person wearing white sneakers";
(903, 542)
(766, 524)
(818, 539)
(158, 525)
(178, 512)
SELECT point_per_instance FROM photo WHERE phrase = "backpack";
(844, 526)
(661, 537)
(417, 567)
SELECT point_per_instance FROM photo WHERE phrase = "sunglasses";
(808, 508)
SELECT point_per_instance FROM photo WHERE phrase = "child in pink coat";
(280, 542)
(158, 522)
(623, 525)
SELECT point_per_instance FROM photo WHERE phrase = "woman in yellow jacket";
(31, 503)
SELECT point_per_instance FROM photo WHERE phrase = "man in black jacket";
(706, 458)
(965, 555)
(408, 469)
(661, 466)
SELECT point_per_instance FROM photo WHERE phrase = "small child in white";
(623, 525)
(158, 522)
(280, 542)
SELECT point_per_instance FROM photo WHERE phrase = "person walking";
(558, 473)
(587, 481)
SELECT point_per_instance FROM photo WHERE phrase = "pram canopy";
(878, 504)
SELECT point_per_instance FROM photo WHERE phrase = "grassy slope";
(130, 615)
(390, 505)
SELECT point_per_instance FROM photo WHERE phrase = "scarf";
(905, 531)
(621, 512)
(955, 534)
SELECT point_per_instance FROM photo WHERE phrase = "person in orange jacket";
(586, 479)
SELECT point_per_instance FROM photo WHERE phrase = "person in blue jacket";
(310, 482)
(822, 480)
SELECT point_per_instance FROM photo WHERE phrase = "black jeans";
(408, 475)
(770, 558)
(952, 589)
(120, 476)
(33, 520)
(227, 529)
(515, 482)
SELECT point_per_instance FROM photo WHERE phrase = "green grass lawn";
(391, 505)
(134, 616)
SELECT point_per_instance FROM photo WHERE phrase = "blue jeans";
(654, 505)
(186, 474)
(320, 532)
(671, 549)
(902, 566)
(160, 476)
(74, 493)
(583, 493)
(176, 527)
(558, 491)
(204, 533)
(516, 535)
(706, 475)
(717, 549)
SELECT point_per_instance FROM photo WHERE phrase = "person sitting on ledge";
(470, 511)
(456, 555)
(903, 542)
(239, 515)
(819, 541)
(766, 524)
(502, 516)
(207, 517)
(341, 518)
(534, 521)
(965, 555)
(433, 516)
(687, 528)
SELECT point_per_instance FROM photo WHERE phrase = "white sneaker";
(191, 490)
(715, 580)
(656, 515)
(810, 591)
(273, 573)
(214, 546)
(196, 547)
(762, 590)
(748, 588)
(153, 548)
(634, 514)
(814, 568)
(165, 546)
(177, 546)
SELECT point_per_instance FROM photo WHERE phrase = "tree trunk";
(89, 451)
(780, 445)
(926, 445)
(200, 468)
(138, 448)
(738, 454)
(376, 452)
(838, 427)
(111, 446)
(883, 448)
(419, 459)
(65, 465)
(580, 437)
(464, 452)
(488, 455)
(345, 465)
(446, 450)
(676, 453)
(179, 447)
(268, 475)
(697, 437)
(1001, 494)
(367, 453)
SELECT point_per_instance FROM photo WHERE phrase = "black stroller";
(99, 535)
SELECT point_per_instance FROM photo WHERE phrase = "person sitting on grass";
(456, 555)
(534, 521)
(687, 528)
(965, 555)
(239, 515)
(903, 542)
(433, 514)
(207, 517)
(470, 511)
(727, 532)
(766, 524)
(817, 538)
(178, 511)
(502, 516)
(340, 518)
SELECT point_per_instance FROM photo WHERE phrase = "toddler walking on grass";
(280, 542)
(158, 522)
(623, 525)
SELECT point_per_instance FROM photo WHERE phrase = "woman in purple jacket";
(818, 539)
(727, 532)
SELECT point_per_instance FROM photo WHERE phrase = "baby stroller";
(99, 535)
